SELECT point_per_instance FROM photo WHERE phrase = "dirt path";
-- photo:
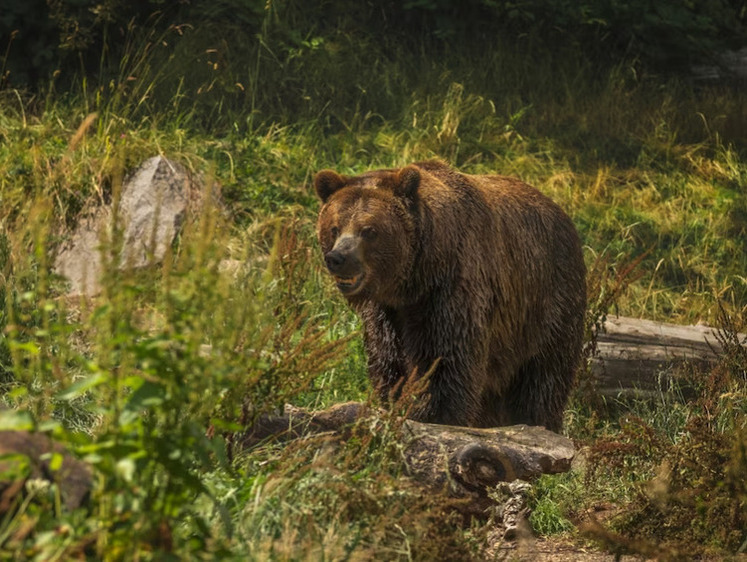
(554, 550)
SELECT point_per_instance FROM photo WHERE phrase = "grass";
(650, 169)
(667, 476)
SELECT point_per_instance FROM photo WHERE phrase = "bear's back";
(510, 240)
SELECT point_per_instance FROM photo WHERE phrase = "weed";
(690, 494)
(650, 169)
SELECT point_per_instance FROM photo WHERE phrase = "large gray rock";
(153, 205)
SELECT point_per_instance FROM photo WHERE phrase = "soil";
(526, 547)
(555, 550)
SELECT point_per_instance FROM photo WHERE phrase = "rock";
(153, 205)
(79, 259)
(19, 449)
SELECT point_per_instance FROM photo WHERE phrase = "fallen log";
(639, 358)
(469, 462)
(464, 462)
(27, 455)
(634, 358)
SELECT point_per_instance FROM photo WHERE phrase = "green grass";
(649, 168)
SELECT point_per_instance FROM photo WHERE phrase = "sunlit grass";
(241, 316)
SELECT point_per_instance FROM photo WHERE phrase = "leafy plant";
(150, 382)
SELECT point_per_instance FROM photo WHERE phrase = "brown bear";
(480, 278)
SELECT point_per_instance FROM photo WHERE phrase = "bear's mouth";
(349, 284)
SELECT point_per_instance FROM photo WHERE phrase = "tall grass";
(133, 381)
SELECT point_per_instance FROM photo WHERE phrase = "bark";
(638, 358)
(470, 462)
(463, 462)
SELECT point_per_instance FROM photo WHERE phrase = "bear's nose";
(335, 261)
(344, 259)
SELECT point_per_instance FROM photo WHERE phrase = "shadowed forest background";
(595, 103)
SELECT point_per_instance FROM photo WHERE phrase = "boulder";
(153, 204)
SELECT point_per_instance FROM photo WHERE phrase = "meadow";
(650, 164)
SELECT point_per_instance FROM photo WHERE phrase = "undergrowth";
(666, 478)
(146, 381)
(692, 498)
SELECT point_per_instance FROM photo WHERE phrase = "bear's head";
(366, 229)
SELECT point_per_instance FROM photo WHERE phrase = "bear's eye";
(368, 232)
(335, 232)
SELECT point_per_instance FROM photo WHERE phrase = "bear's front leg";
(452, 350)
(453, 393)
(403, 343)
(387, 368)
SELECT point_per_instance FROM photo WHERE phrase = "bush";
(63, 34)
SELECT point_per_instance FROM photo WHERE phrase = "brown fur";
(483, 273)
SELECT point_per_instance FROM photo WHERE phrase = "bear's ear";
(326, 183)
(407, 182)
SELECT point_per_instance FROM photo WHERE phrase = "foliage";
(548, 494)
(135, 381)
(349, 500)
(689, 486)
(670, 31)
(668, 476)
(133, 378)
(62, 34)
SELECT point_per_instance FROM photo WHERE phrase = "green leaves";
(15, 420)
(80, 387)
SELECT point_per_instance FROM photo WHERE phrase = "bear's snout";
(335, 261)
(344, 257)
(345, 265)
